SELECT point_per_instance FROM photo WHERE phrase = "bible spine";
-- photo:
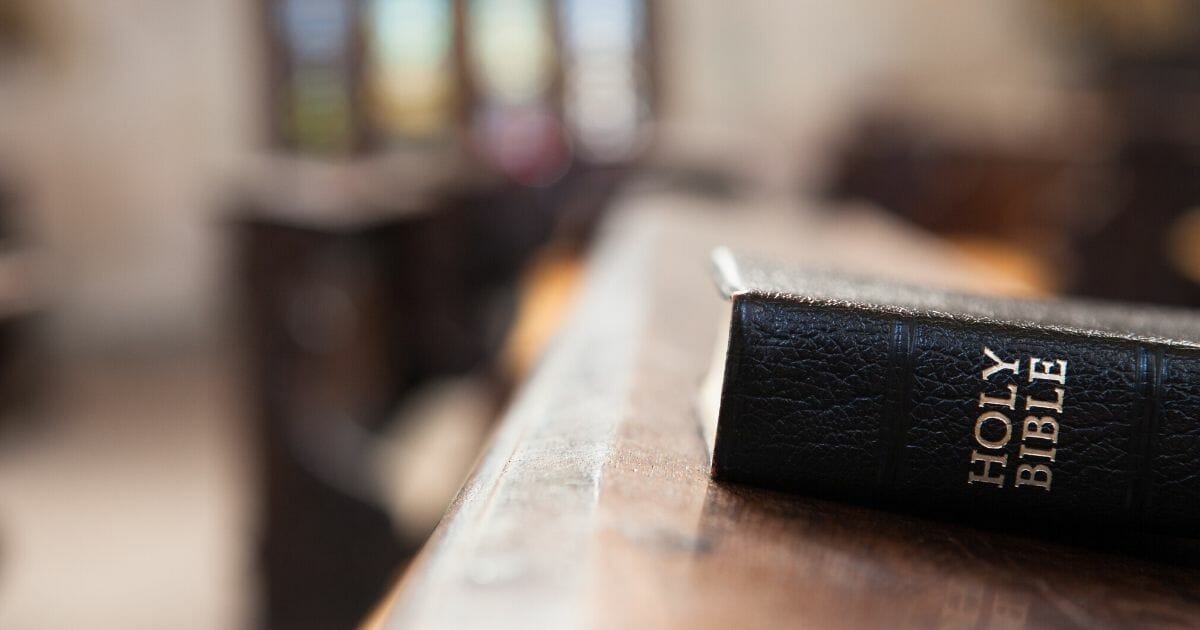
(973, 417)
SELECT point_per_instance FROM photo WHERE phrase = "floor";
(124, 499)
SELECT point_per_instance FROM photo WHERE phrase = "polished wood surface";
(593, 506)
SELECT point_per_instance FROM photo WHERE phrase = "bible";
(1003, 410)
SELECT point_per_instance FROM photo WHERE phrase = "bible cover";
(1005, 410)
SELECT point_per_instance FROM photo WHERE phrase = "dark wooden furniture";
(361, 282)
(593, 507)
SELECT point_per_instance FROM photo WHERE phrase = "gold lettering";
(1053, 405)
(1000, 366)
(1039, 433)
(1037, 475)
(1036, 427)
(999, 417)
(987, 476)
(1046, 373)
(1026, 451)
(1010, 402)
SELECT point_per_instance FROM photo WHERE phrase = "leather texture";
(854, 400)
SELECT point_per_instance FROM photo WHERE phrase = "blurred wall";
(779, 79)
(147, 108)
(121, 132)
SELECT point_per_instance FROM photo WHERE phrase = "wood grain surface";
(593, 507)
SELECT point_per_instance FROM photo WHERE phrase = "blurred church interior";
(270, 270)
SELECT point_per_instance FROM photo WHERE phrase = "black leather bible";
(1038, 412)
